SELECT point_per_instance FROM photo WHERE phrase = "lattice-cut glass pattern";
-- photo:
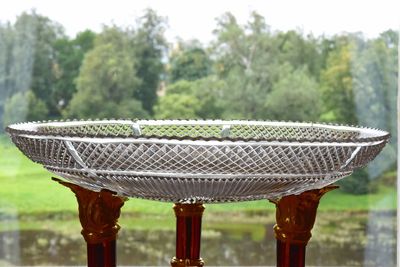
(289, 133)
(171, 130)
(206, 161)
(88, 130)
(207, 190)
(200, 130)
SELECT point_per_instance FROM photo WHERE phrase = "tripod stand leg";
(98, 214)
(295, 217)
(188, 235)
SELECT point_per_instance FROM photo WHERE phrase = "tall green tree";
(34, 57)
(294, 97)
(189, 63)
(69, 55)
(209, 91)
(106, 84)
(150, 48)
(299, 50)
(27, 58)
(245, 60)
(177, 106)
(202, 96)
(337, 86)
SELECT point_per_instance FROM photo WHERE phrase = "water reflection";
(239, 245)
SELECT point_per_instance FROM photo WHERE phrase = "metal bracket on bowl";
(136, 129)
(72, 151)
(349, 160)
(226, 130)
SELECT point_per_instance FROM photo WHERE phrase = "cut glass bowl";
(198, 161)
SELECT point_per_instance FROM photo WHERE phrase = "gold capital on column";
(188, 210)
(98, 212)
(295, 215)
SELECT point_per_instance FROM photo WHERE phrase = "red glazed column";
(98, 214)
(295, 217)
(188, 234)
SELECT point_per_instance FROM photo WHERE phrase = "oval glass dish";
(198, 161)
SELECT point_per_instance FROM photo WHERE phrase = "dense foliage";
(247, 72)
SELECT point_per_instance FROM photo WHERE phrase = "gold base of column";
(185, 263)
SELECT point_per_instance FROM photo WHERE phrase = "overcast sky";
(196, 19)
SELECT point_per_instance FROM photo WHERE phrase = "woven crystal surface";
(203, 161)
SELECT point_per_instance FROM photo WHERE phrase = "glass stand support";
(98, 214)
(295, 217)
(188, 234)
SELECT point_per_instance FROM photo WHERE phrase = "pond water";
(367, 239)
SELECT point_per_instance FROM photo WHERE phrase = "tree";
(245, 60)
(337, 86)
(181, 87)
(177, 106)
(106, 85)
(24, 106)
(299, 51)
(202, 95)
(209, 91)
(189, 63)
(150, 47)
(34, 60)
(27, 58)
(294, 97)
(69, 54)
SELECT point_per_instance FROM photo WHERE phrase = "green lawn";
(26, 188)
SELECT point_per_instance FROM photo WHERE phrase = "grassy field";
(26, 188)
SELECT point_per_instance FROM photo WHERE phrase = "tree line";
(247, 72)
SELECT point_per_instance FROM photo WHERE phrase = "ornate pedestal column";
(98, 214)
(188, 234)
(295, 217)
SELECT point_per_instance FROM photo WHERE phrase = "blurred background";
(334, 62)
